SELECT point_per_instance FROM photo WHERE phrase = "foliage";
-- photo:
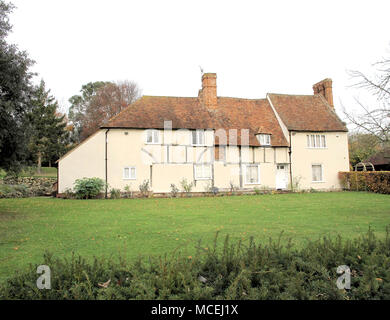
(374, 181)
(186, 187)
(115, 193)
(15, 191)
(99, 101)
(88, 188)
(295, 184)
(49, 138)
(144, 188)
(174, 190)
(15, 92)
(242, 271)
(361, 147)
(257, 190)
(128, 192)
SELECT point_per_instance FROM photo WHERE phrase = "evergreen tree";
(15, 91)
(49, 139)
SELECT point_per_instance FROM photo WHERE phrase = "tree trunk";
(39, 165)
(49, 163)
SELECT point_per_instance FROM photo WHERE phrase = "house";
(274, 143)
(380, 160)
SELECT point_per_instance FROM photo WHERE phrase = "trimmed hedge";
(233, 271)
(374, 181)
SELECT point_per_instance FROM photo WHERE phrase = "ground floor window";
(252, 174)
(317, 173)
(202, 171)
(129, 173)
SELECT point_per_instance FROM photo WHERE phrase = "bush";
(88, 188)
(115, 193)
(186, 187)
(174, 190)
(128, 193)
(374, 181)
(144, 188)
(230, 271)
(15, 191)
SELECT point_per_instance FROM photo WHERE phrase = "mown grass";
(32, 172)
(133, 227)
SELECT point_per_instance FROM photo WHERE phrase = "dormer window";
(198, 138)
(152, 136)
(264, 139)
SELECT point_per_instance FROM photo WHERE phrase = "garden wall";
(17, 187)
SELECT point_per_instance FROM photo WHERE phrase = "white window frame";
(312, 141)
(196, 165)
(258, 173)
(198, 134)
(322, 172)
(264, 139)
(153, 132)
(130, 178)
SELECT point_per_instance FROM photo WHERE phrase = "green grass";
(133, 227)
(31, 172)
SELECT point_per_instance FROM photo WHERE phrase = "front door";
(281, 176)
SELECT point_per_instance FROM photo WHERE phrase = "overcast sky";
(255, 47)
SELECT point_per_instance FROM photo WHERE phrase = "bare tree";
(373, 119)
(108, 101)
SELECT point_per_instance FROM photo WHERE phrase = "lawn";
(145, 227)
(32, 172)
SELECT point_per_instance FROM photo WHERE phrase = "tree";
(362, 146)
(99, 102)
(15, 92)
(49, 138)
(374, 119)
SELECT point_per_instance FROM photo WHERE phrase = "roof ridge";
(251, 99)
(290, 94)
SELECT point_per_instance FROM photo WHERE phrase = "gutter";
(289, 155)
(105, 160)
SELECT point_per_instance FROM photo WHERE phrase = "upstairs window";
(316, 141)
(198, 137)
(264, 139)
(152, 136)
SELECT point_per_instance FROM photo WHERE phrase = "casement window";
(317, 173)
(152, 136)
(198, 138)
(252, 174)
(316, 141)
(129, 173)
(202, 171)
(264, 139)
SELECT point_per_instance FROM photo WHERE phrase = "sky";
(255, 47)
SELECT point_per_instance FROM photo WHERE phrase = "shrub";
(374, 181)
(174, 190)
(15, 191)
(128, 193)
(144, 188)
(115, 193)
(88, 188)
(186, 187)
(227, 271)
(257, 190)
(69, 194)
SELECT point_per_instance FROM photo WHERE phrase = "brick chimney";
(324, 88)
(208, 93)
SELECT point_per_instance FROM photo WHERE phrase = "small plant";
(295, 184)
(257, 190)
(174, 190)
(115, 193)
(88, 188)
(187, 187)
(232, 187)
(69, 194)
(144, 188)
(128, 193)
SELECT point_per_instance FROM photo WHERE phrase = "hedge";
(374, 181)
(228, 271)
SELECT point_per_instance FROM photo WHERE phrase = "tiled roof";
(189, 113)
(306, 113)
(380, 158)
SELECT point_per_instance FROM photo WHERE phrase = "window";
(264, 139)
(129, 173)
(316, 170)
(198, 137)
(316, 141)
(152, 136)
(202, 171)
(252, 174)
